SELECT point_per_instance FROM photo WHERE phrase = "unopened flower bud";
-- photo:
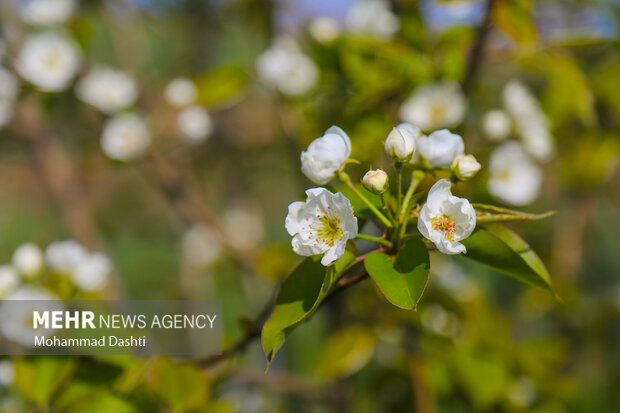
(376, 181)
(401, 142)
(465, 167)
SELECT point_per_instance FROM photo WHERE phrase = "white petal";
(438, 193)
(334, 254)
(345, 138)
(292, 222)
(305, 249)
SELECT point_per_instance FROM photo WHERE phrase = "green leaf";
(221, 86)
(347, 351)
(40, 378)
(183, 387)
(299, 297)
(403, 278)
(501, 249)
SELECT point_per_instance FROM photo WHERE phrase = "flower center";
(329, 230)
(444, 224)
(438, 112)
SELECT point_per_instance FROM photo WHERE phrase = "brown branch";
(476, 54)
(343, 283)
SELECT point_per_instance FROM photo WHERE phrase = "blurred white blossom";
(324, 29)
(64, 256)
(244, 227)
(107, 89)
(201, 246)
(180, 92)
(531, 123)
(372, 18)
(9, 280)
(496, 125)
(16, 320)
(46, 12)
(194, 123)
(125, 137)
(28, 260)
(513, 177)
(285, 67)
(92, 271)
(89, 271)
(434, 106)
(49, 60)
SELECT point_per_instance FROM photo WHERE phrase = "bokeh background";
(187, 198)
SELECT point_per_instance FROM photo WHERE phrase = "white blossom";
(401, 142)
(440, 148)
(496, 125)
(92, 272)
(64, 256)
(46, 12)
(28, 260)
(107, 89)
(286, 68)
(465, 167)
(324, 29)
(244, 226)
(49, 60)
(326, 155)
(372, 18)
(201, 246)
(180, 92)
(513, 177)
(16, 319)
(9, 280)
(531, 123)
(125, 137)
(195, 124)
(446, 219)
(434, 106)
(321, 225)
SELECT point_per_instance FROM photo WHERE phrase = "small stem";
(416, 178)
(399, 186)
(378, 240)
(386, 207)
(344, 177)
(485, 219)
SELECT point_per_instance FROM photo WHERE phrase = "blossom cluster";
(26, 278)
(50, 60)
(325, 221)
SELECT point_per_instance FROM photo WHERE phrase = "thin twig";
(475, 56)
